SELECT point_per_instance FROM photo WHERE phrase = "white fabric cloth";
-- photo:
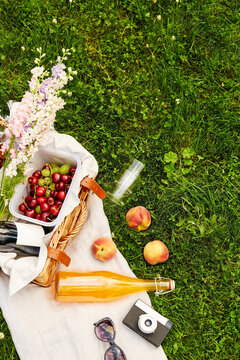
(44, 329)
(41, 327)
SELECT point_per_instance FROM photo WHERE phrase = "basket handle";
(58, 255)
(90, 184)
(3, 122)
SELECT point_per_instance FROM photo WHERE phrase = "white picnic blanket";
(44, 329)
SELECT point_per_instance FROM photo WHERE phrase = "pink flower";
(13, 153)
(5, 145)
(16, 128)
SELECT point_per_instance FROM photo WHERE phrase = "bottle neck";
(159, 285)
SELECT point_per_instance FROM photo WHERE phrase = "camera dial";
(147, 324)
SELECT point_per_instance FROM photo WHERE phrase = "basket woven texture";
(3, 122)
(66, 231)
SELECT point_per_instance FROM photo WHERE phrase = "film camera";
(148, 323)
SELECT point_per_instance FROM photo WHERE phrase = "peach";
(155, 252)
(138, 218)
(103, 249)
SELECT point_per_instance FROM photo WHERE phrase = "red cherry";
(22, 207)
(72, 170)
(54, 210)
(38, 216)
(46, 166)
(58, 203)
(28, 198)
(33, 180)
(37, 174)
(50, 201)
(40, 191)
(30, 213)
(65, 178)
(61, 195)
(41, 200)
(60, 186)
(33, 203)
(54, 194)
(44, 207)
(67, 187)
(56, 177)
(33, 187)
(44, 216)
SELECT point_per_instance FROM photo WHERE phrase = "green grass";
(130, 73)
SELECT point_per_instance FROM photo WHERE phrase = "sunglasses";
(105, 331)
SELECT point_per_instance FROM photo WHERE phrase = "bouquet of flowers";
(29, 124)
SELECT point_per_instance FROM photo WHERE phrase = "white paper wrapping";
(29, 234)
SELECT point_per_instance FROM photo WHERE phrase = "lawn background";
(157, 81)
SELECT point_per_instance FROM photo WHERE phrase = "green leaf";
(188, 162)
(188, 152)
(171, 157)
(181, 222)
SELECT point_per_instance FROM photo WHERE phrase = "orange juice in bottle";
(103, 286)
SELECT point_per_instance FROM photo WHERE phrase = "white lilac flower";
(177, 101)
(173, 38)
(11, 169)
(159, 17)
(23, 48)
(37, 71)
(69, 93)
(35, 115)
(54, 21)
(2, 335)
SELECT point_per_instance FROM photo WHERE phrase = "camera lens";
(147, 324)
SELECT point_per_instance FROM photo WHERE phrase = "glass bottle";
(8, 240)
(126, 181)
(104, 286)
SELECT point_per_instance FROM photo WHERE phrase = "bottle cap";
(171, 285)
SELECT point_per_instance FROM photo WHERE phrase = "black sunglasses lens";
(114, 353)
(105, 331)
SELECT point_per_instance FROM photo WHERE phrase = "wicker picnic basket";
(66, 231)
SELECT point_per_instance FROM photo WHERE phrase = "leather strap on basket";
(58, 255)
(91, 184)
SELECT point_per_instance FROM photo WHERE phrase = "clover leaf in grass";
(188, 152)
(170, 157)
